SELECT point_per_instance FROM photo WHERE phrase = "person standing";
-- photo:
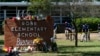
(68, 30)
(54, 30)
(85, 31)
(99, 30)
(73, 33)
(53, 44)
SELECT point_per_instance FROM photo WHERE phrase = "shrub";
(92, 22)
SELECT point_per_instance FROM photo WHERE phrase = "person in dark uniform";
(85, 31)
(68, 28)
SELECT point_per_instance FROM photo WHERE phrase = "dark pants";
(45, 48)
(54, 47)
(13, 54)
(39, 48)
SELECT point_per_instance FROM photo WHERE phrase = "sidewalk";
(94, 36)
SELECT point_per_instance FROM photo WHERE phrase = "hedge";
(92, 22)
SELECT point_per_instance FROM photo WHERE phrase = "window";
(56, 19)
(55, 13)
(66, 19)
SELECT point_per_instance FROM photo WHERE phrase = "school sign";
(22, 32)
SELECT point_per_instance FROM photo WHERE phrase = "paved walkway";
(92, 36)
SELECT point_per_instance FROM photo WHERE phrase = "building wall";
(60, 12)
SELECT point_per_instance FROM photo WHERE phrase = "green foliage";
(39, 6)
(12, 0)
(1, 42)
(92, 22)
(98, 0)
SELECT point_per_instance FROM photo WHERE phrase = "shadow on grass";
(91, 54)
(71, 50)
(81, 54)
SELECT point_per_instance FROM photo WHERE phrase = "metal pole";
(5, 15)
(23, 12)
(60, 15)
(18, 13)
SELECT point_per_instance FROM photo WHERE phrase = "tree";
(72, 16)
(39, 6)
(87, 9)
(82, 12)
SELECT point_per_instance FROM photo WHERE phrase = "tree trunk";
(76, 34)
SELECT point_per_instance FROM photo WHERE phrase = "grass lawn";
(67, 48)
